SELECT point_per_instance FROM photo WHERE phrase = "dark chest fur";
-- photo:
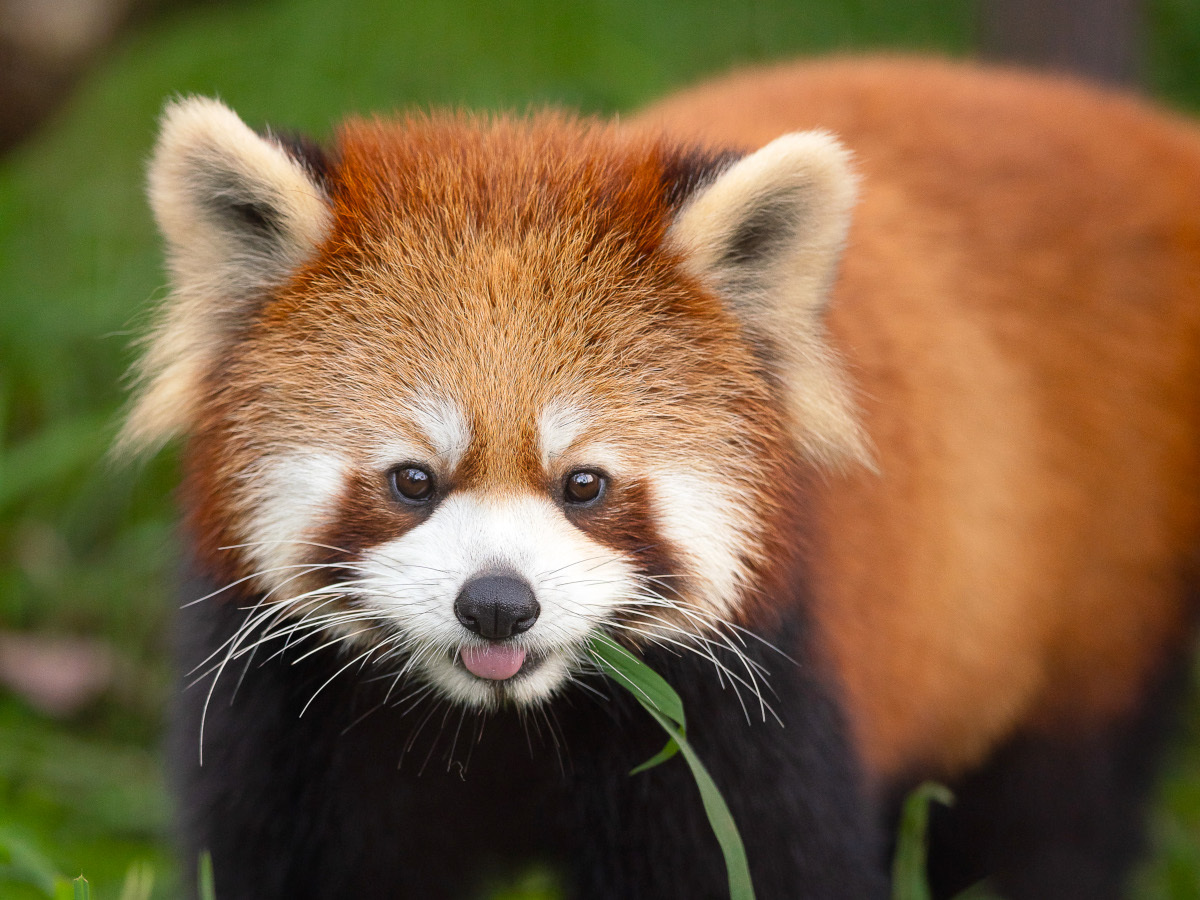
(320, 784)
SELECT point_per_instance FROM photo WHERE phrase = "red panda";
(859, 396)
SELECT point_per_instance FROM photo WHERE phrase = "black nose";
(497, 606)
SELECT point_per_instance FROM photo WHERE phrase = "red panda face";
(474, 392)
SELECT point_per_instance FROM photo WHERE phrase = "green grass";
(85, 546)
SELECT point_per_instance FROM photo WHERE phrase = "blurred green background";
(86, 546)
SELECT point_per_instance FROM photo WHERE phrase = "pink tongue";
(493, 661)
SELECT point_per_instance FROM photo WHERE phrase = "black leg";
(1057, 818)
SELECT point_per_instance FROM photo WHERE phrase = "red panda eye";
(583, 486)
(412, 483)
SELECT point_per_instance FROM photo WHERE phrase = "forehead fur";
(501, 264)
(502, 269)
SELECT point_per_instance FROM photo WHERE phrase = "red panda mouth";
(497, 662)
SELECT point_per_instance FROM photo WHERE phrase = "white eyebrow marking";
(558, 426)
(398, 451)
(445, 426)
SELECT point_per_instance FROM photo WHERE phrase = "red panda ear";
(766, 235)
(239, 213)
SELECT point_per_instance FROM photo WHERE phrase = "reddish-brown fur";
(1019, 303)
(547, 236)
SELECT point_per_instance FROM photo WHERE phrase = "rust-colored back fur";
(1019, 306)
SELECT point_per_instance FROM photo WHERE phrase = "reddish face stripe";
(624, 520)
(367, 515)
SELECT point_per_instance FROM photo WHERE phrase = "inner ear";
(244, 201)
(776, 215)
(240, 211)
(233, 206)
(768, 229)
(765, 235)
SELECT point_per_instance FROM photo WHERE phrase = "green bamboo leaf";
(719, 817)
(658, 758)
(660, 700)
(908, 865)
(82, 890)
(207, 889)
(638, 678)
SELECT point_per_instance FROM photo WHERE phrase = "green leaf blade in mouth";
(638, 678)
(659, 699)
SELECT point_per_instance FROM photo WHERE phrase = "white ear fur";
(766, 235)
(239, 215)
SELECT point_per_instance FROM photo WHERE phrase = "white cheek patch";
(415, 579)
(292, 495)
(715, 535)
